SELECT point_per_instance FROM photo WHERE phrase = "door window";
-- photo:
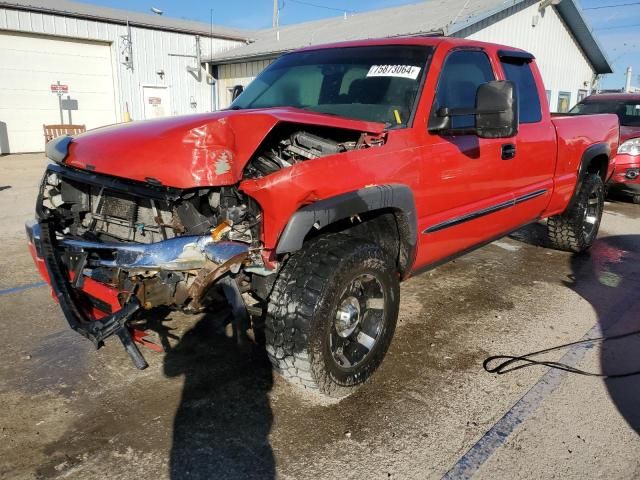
(519, 71)
(463, 72)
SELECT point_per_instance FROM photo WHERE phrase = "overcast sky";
(617, 28)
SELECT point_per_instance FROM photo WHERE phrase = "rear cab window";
(518, 70)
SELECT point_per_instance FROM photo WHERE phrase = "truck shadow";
(533, 234)
(223, 421)
(608, 277)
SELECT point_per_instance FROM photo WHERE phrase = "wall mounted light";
(546, 3)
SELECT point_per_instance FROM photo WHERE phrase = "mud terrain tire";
(576, 229)
(312, 309)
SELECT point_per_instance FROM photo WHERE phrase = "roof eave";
(120, 21)
(246, 58)
(574, 19)
(236, 56)
(583, 32)
(456, 27)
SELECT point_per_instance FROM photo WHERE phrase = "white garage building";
(555, 31)
(116, 64)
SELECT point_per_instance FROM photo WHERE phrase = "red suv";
(626, 178)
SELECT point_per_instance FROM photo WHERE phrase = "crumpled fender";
(190, 151)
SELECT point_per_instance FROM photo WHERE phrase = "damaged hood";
(191, 151)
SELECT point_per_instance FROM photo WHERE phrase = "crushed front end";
(110, 247)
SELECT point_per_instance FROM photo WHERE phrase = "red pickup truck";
(340, 171)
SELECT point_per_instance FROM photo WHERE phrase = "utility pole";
(627, 84)
(276, 14)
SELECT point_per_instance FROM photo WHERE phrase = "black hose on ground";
(511, 363)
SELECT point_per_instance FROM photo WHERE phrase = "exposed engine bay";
(288, 145)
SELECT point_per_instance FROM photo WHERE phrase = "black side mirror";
(497, 110)
(237, 91)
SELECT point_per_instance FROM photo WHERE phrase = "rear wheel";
(576, 229)
(332, 314)
(636, 199)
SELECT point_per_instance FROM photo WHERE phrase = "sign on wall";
(59, 88)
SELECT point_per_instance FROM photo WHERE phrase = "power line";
(619, 26)
(309, 4)
(614, 6)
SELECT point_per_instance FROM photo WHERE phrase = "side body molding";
(330, 210)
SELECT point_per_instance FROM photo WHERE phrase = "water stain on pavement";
(57, 364)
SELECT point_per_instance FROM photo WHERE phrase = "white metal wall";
(237, 74)
(153, 50)
(562, 63)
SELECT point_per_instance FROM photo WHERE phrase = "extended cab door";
(466, 185)
(534, 148)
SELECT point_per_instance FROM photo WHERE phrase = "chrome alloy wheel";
(358, 321)
(592, 214)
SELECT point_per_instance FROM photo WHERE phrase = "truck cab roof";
(430, 41)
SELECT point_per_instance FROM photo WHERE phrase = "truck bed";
(575, 135)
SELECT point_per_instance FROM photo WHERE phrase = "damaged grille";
(129, 218)
(106, 209)
(120, 208)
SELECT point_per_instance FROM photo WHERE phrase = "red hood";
(190, 151)
(627, 133)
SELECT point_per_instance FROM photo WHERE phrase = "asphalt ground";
(205, 410)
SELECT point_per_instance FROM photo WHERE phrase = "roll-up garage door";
(30, 65)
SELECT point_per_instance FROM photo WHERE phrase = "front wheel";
(332, 313)
(576, 229)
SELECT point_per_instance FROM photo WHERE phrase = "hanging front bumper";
(187, 253)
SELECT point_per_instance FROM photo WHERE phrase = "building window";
(582, 94)
(564, 102)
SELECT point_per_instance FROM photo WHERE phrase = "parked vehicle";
(339, 172)
(626, 177)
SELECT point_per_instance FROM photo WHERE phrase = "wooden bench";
(53, 131)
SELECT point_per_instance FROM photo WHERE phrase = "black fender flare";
(592, 152)
(327, 211)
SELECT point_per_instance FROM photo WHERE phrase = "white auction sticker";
(403, 71)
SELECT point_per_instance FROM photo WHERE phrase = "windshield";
(378, 83)
(628, 112)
